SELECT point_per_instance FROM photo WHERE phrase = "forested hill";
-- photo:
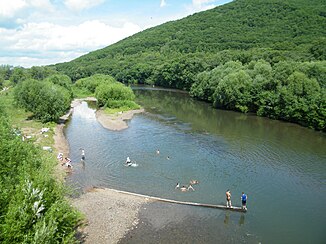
(285, 29)
(288, 36)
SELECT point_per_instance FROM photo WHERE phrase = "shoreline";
(109, 215)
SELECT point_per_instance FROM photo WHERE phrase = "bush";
(92, 82)
(45, 100)
(107, 93)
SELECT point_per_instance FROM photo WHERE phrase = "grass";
(111, 111)
(23, 121)
(81, 93)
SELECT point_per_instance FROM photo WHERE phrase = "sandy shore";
(109, 214)
(116, 121)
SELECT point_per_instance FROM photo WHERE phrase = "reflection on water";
(280, 166)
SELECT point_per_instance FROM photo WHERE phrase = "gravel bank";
(110, 214)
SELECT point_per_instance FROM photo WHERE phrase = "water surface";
(281, 167)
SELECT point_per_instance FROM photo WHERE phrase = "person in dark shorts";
(82, 154)
(244, 200)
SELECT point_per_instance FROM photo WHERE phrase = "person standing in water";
(228, 199)
(82, 154)
(244, 200)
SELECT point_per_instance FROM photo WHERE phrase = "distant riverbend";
(281, 167)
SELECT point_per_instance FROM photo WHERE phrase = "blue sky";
(42, 32)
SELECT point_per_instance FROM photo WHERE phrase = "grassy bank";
(33, 207)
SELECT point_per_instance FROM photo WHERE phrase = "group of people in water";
(187, 187)
(67, 161)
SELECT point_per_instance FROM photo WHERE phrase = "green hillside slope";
(287, 36)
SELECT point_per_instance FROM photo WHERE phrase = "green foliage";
(32, 204)
(94, 81)
(288, 91)
(255, 29)
(40, 72)
(61, 80)
(233, 91)
(114, 95)
(18, 74)
(45, 100)
(5, 73)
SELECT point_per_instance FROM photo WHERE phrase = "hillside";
(290, 29)
(286, 36)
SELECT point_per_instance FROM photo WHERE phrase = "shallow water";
(281, 166)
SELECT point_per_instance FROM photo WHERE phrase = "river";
(280, 166)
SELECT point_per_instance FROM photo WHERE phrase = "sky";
(43, 32)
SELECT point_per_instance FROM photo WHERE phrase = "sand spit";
(116, 121)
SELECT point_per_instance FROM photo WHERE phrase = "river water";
(280, 166)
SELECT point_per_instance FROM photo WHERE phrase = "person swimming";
(68, 162)
(177, 186)
(190, 188)
(128, 162)
(184, 188)
(194, 182)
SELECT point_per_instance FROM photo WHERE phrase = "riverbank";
(109, 214)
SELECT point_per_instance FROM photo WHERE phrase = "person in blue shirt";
(244, 200)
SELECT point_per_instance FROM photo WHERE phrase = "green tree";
(233, 92)
(45, 100)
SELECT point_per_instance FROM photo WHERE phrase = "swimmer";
(157, 152)
(194, 182)
(190, 187)
(184, 188)
(128, 161)
(177, 186)
(168, 157)
(68, 163)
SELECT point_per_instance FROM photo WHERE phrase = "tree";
(45, 100)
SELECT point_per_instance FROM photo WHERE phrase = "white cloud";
(41, 4)
(9, 8)
(78, 5)
(163, 3)
(202, 5)
(47, 41)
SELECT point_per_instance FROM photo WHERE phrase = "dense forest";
(261, 56)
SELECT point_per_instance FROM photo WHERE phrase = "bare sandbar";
(116, 121)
